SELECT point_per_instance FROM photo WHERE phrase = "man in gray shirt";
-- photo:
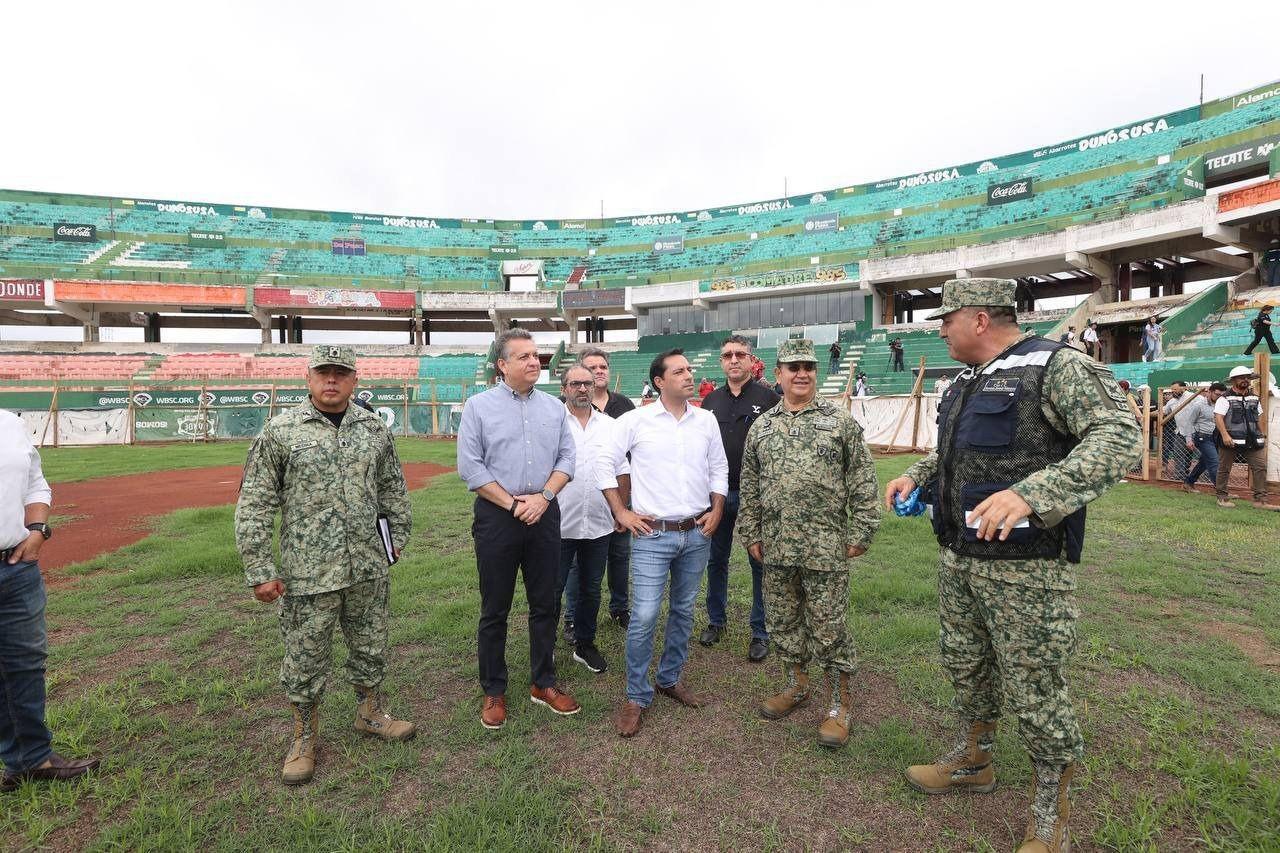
(515, 451)
(1201, 429)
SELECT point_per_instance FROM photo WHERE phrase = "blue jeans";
(25, 741)
(718, 573)
(1208, 461)
(583, 560)
(682, 556)
(619, 575)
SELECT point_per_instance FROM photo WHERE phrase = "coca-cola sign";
(1009, 191)
(75, 232)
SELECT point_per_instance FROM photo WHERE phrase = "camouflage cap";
(977, 292)
(332, 354)
(800, 349)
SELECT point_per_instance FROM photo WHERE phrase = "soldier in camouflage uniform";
(1027, 436)
(810, 503)
(331, 470)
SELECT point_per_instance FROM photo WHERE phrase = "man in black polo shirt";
(736, 404)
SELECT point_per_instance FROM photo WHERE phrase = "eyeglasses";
(735, 355)
(799, 366)
(580, 383)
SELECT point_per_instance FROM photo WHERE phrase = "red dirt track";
(111, 512)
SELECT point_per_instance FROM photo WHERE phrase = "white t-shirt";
(1089, 335)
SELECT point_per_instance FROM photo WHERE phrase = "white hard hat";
(1240, 371)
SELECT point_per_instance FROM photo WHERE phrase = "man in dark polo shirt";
(736, 405)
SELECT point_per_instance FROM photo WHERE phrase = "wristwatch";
(45, 530)
(548, 495)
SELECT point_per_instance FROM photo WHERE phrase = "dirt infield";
(111, 512)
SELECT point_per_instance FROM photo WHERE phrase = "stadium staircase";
(273, 264)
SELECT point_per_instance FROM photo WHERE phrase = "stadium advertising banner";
(190, 295)
(1010, 191)
(1249, 196)
(776, 279)
(1227, 162)
(187, 208)
(822, 222)
(358, 300)
(207, 239)
(670, 245)
(75, 232)
(22, 289)
(506, 250)
(348, 246)
(583, 299)
(1243, 99)
(1193, 179)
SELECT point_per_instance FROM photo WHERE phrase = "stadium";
(160, 658)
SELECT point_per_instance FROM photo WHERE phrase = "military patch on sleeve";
(1000, 385)
(1106, 381)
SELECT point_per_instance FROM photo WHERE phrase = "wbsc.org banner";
(669, 245)
(822, 222)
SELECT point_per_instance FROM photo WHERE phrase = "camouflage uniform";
(330, 485)
(1008, 626)
(808, 491)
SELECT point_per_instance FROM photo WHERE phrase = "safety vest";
(1243, 412)
(992, 434)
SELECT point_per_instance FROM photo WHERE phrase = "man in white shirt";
(1090, 338)
(1238, 415)
(26, 745)
(586, 524)
(679, 480)
(940, 387)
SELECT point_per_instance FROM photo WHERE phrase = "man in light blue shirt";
(515, 451)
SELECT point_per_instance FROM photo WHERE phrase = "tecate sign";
(1240, 158)
(1010, 191)
(72, 232)
(27, 289)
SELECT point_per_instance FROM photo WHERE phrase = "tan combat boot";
(797, 692)
(1050, 809)
(967, 767)
(300, 763)
(373, 721)
(834, 731)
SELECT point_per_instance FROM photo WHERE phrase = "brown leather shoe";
(494, 713)
(628, 718)
(59, 770)
(681, 694)
(554, 698)
(1266, 506)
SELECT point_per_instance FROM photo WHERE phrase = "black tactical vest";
(1243, 411)
(991, 435)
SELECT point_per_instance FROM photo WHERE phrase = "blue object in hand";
(911, 506)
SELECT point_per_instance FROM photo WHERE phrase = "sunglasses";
(734, 355)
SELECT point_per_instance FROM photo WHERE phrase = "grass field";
(162, 662)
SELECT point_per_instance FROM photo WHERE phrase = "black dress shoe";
(711, 635)
(758, 650)
(59, 770)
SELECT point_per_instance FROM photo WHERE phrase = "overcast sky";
(542, 110)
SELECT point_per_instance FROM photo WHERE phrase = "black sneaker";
(590, 657)
(621, 617)
(711, 635)
(568, 633)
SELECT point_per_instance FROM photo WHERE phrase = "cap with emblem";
(799, 349)
(332, 354)
(977, 293)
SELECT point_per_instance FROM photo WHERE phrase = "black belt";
(684, 525)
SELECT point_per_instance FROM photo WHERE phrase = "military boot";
(373, 721)
(797, 692)
(1050, 808)
(834, 731)
(300, 763)
(966, 767)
